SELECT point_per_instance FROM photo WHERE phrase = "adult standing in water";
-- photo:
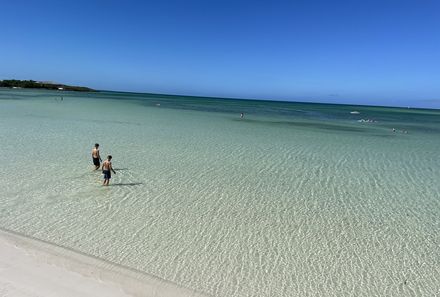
(96, 157)
(106, 170)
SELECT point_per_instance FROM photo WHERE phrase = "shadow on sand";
(126, 184)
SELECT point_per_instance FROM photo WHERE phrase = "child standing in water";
(96, 157)
(106, 170)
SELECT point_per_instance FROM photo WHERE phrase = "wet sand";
(32, 268)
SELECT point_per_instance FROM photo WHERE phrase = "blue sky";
(361, 52)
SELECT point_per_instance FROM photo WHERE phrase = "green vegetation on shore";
(15, 83)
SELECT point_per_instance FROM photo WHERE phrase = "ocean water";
(294, 199)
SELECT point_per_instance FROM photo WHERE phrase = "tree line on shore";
(15, 83)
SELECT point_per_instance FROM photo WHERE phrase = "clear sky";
(363, 52)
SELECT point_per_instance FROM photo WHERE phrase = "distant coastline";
(47, 85)
(32, 84)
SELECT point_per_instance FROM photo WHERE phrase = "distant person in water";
(96, 157)
(241, 115)
(106, 170)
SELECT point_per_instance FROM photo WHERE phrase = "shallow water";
(293, 200)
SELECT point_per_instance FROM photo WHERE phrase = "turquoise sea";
(294, 199)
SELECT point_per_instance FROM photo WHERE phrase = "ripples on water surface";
(292, 200)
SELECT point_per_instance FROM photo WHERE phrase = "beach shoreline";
(31, 267)
(290, 200)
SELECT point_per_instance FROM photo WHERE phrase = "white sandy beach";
(32, 268)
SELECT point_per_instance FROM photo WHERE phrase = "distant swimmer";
(96, 157)
(241, 115)
(394, 130)
(107, 169)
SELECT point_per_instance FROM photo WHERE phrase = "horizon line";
(268, 100)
